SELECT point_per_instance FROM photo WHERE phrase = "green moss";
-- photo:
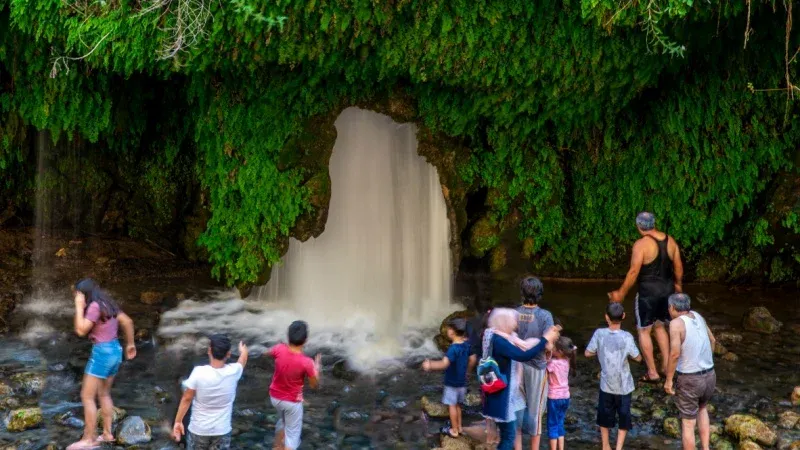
(24, 419)
(566, 112)
(484, 236)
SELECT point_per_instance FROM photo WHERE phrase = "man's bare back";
(649, 248)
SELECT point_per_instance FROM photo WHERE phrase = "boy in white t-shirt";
(211, 390)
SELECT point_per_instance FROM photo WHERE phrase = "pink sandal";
(83, 445)
(102, 440)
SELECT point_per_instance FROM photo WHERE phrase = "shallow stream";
(380, 408)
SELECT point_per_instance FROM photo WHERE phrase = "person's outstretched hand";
(178, 431)
(242, 347)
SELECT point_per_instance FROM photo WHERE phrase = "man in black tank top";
(656, 265)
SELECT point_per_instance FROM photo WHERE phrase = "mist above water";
(377, 280)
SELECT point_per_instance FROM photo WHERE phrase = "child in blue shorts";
(454, 364)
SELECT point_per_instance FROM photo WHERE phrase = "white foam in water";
(37, 331)
(377, 281)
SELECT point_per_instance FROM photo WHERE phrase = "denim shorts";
(105, 359)
(197, 442)
(454, 395)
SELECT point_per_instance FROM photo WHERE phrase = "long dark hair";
(108, 306)
(565, 347)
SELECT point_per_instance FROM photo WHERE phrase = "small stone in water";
(57, 367)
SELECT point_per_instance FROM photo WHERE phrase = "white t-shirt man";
(212, 406)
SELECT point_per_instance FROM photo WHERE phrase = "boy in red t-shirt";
(292, 368)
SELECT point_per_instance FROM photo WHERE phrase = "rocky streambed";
(41, 364)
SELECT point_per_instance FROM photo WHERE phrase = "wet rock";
(68, 419)
(434, 409)
(760, 320)
(473, 399)
(723, 444)
(730, 357)
(62, 252)
(28, 383)
(151, 298)
(143, 334)
(788, 419)
(749, 445)
(795, 445)
(459, 443)
(4, 389)
(726, 337)
(119, 414)
(658, 414)
(342, 372)
(161, 395)
(9, 403)
(636, 412)
(719, 349)
(795, 398)
(747, 427)
(672, 427)
(132, 431)
(23, 419)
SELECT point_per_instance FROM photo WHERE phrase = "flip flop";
(646, 379)
(83, 445)
(102, 440)
(448, 431)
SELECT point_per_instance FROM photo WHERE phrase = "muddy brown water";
(382, 410)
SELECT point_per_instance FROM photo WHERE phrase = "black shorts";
(650, 310)
(609, 406)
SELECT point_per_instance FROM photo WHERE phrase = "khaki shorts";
(694, 392)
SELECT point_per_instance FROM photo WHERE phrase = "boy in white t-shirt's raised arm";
(211, 390)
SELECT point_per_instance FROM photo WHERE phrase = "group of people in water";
(523, 364)
(524, 349)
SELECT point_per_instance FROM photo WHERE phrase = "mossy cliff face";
(573, 116)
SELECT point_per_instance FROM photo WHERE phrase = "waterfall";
(384, 254)
(378, 279)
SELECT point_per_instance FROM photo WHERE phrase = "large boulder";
(23, 419)
(760, 320)
(133, 431)
(746, 427)
(434, 409)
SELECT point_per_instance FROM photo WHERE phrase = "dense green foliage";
(576, 114)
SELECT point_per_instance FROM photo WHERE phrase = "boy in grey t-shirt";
(533, 322)
(613, 346)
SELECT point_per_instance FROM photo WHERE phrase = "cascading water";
(385, 251)
(378, 275)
